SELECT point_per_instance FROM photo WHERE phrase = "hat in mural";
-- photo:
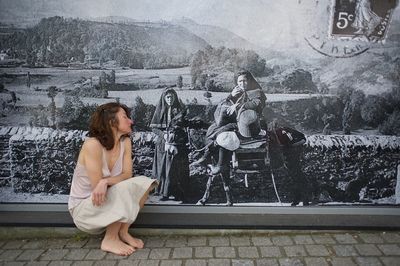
(228, 140)
(249, 123)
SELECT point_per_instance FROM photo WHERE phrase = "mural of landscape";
(61, 59)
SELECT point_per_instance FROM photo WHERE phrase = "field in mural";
(56, 68)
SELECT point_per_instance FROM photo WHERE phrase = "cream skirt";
(122, 205)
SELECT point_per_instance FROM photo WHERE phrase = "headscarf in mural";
(160, 117)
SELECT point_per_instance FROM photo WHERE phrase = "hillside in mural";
(59, 41)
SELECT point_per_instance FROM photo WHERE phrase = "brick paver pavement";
(225, 247)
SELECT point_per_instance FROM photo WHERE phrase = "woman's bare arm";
(92, 159)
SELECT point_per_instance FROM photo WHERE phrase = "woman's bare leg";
(124, 233)
(112, 242)
(128, 238)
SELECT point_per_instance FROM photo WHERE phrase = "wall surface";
(326, 71)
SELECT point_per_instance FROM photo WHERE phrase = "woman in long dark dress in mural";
(170, 164)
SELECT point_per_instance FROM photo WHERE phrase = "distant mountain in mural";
(216, 36)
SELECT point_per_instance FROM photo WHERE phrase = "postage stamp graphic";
(364, 19)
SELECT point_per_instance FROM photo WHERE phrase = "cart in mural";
(253, 157)
(250, 158)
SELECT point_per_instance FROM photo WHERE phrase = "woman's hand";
(237, 90)
(231, 109)
(99, 193)
(171, 149)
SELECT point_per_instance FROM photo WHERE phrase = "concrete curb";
(8, 233)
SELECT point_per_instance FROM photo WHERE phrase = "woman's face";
(242, 82)
(124, 122)
(169, 99)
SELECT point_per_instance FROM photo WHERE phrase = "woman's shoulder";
(256, 90)
(126, 140)
(91, 147)
(256, 93)
(127, 143)
(92, 144)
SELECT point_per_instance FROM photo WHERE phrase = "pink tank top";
(81, 187)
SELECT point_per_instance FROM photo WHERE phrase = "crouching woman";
(104, 196)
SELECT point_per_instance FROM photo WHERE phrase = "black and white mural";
(325, 77)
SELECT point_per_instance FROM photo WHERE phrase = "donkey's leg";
(226, 189)
(206, 195)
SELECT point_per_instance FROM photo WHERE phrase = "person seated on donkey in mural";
(246, 95)
(104, 195)
(171, 163)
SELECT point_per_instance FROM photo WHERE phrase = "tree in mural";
(196, 67)
(352, 100)
(179, 82)
(373, 111)
(210, 85)
(299, 80)
(142, 113)
(31, 57)
(327, 120)
(67, 112)
(357, 101)
(39, 117)
(74, 114)
(346, 119)
(103, 85)
(52, 93)
(203, 80)
(111, 77)
(391, 126)
(310, 115)
(211, 60)
(13, 98)
(392, 99)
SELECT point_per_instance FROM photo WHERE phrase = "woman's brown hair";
(102, 120)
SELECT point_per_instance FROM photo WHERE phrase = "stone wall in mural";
(326, 72)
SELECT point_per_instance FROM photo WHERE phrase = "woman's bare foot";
(130, 240)
(116, 246)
